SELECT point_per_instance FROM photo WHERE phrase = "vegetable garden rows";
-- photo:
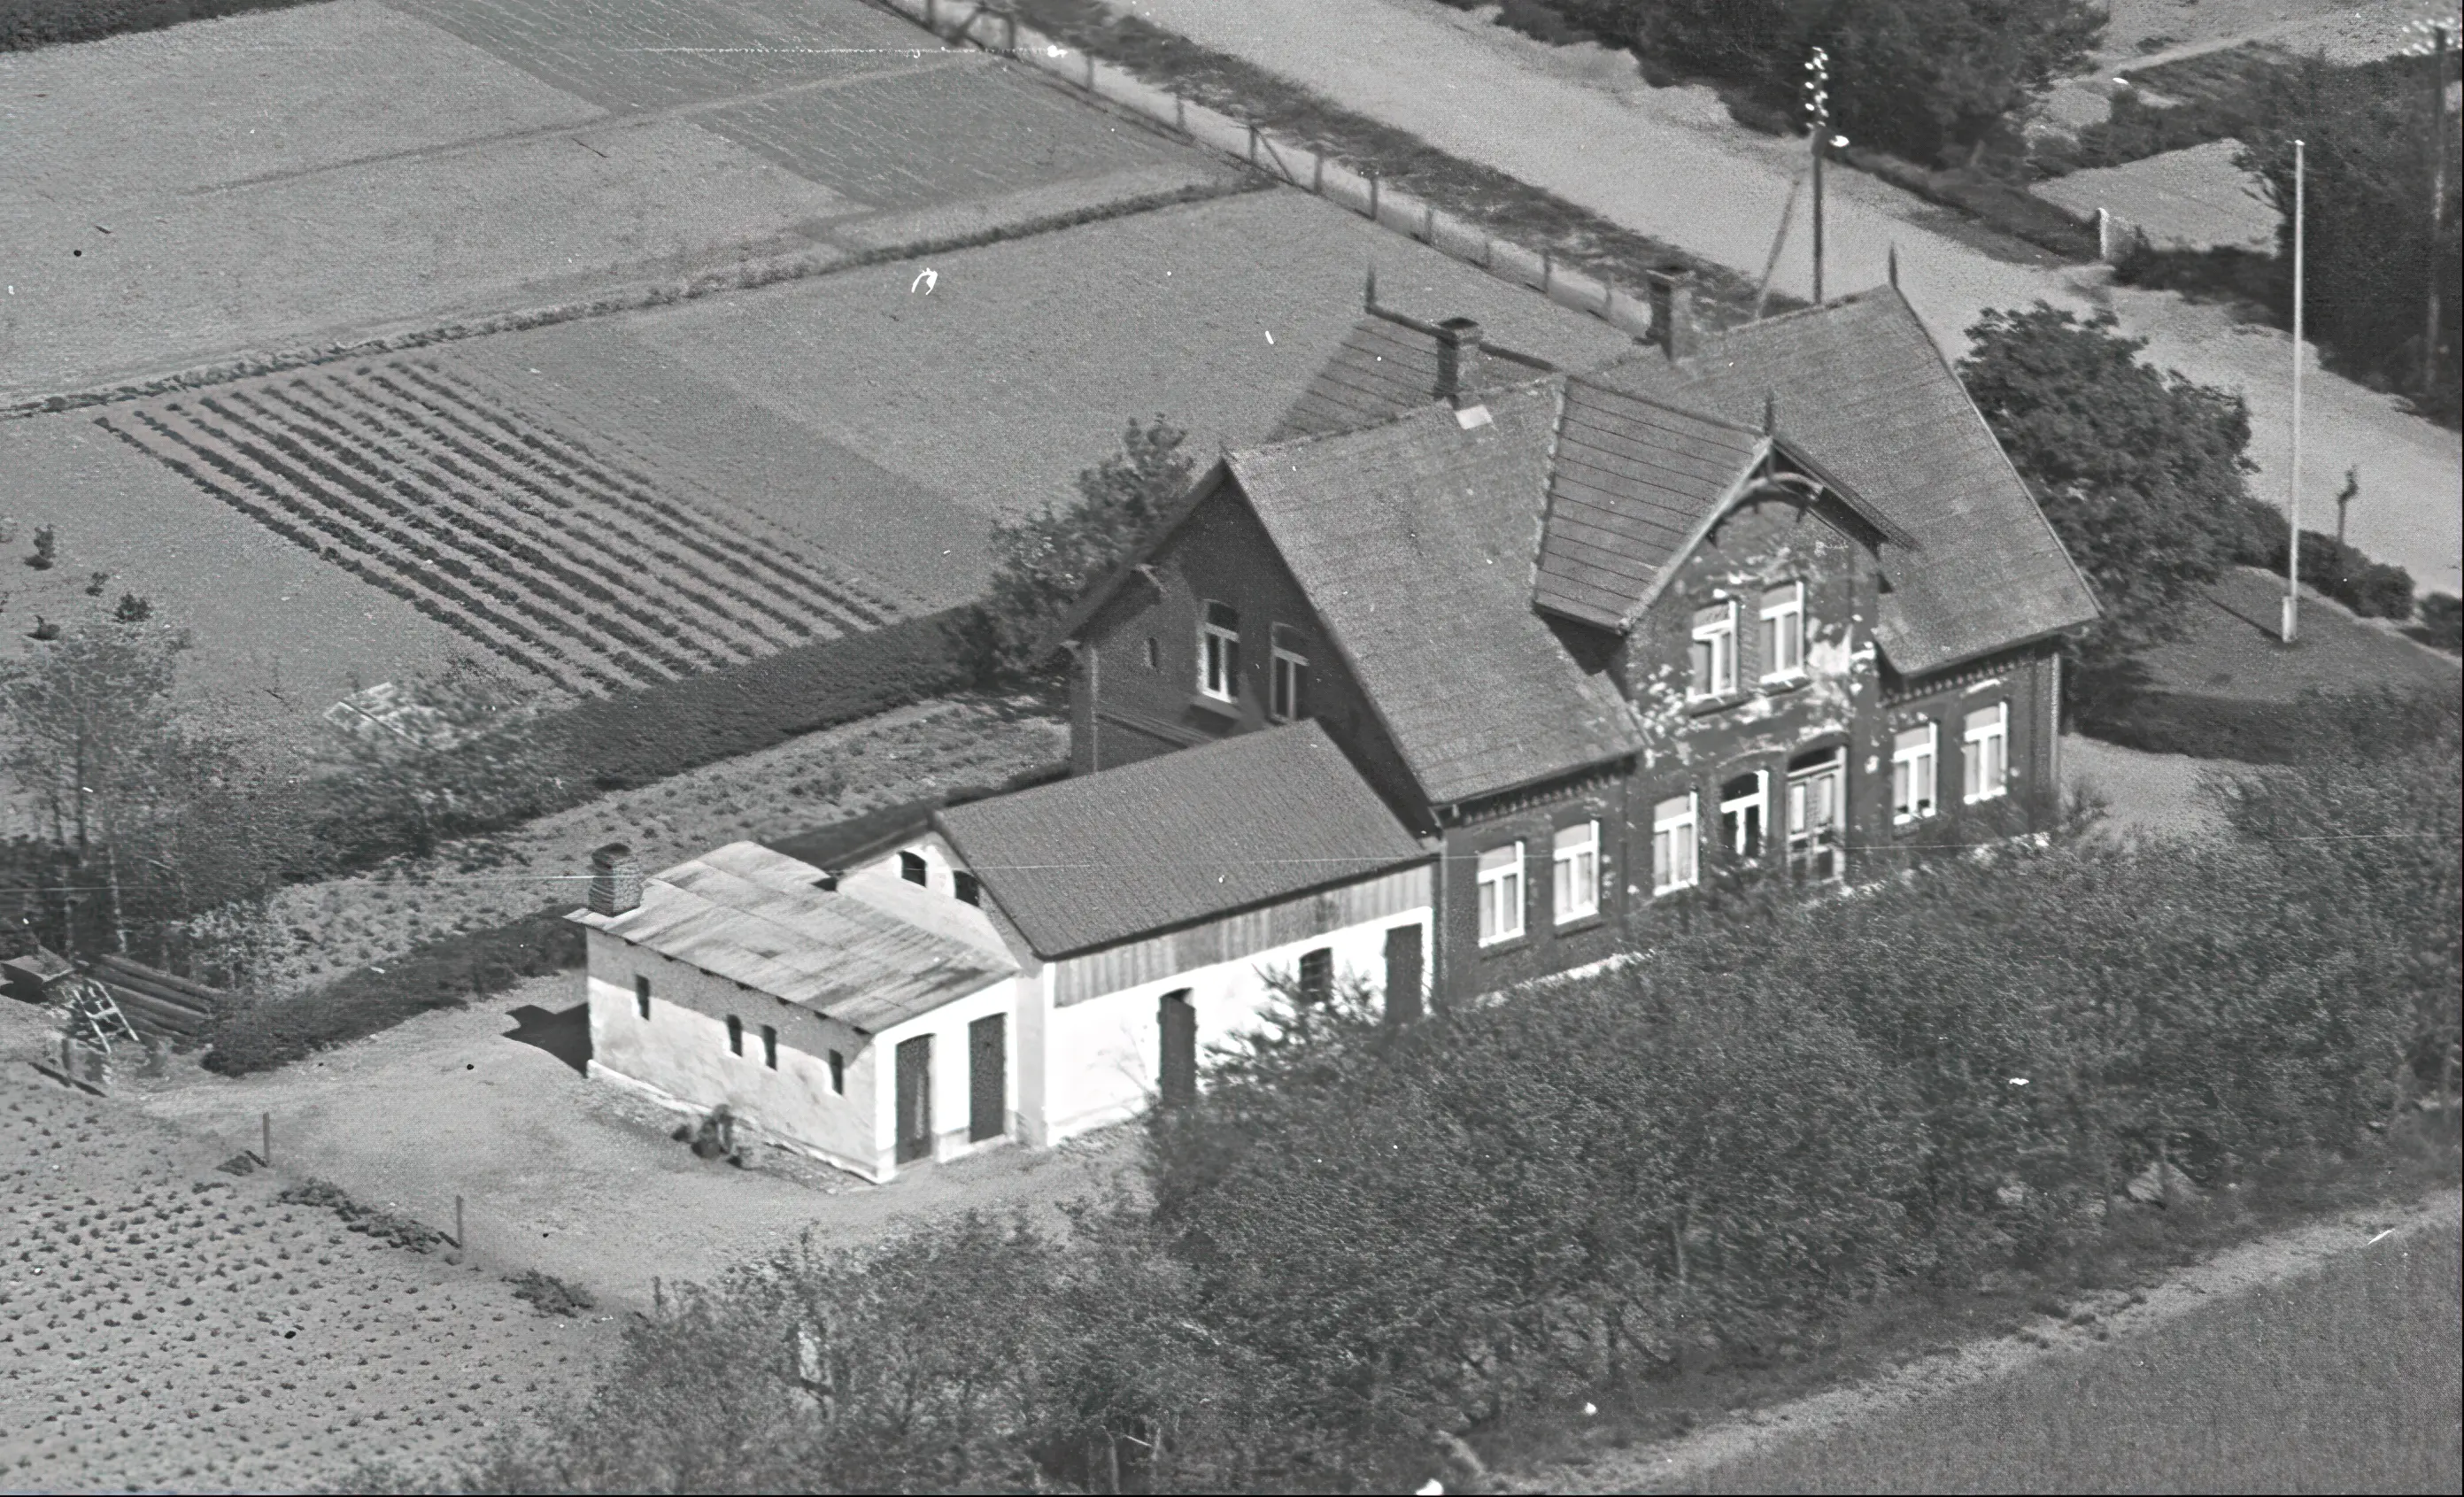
(558, 555)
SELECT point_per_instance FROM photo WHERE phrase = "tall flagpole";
(2293, 494)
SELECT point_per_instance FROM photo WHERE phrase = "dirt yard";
(167, 1327)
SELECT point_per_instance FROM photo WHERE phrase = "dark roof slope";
(1385, 367)
(1415, 542)
(1165, 842)
(1860, 386)
(1632, 479)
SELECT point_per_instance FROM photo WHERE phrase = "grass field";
(2230, 649)
(167, 1327)
(2343, 1380)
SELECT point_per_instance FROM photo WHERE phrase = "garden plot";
(167, 1327)
(550, 550)
(819, 778)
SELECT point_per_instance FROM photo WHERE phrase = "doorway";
(1817, 785)
(914, 1099)
(987, 1078)
(1179, 1022)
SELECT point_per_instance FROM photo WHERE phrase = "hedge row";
(1366, 1246)
(444, 974)
(28, 24)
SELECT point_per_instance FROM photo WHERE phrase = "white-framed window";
(1287, 692)
(1218, 653)
(1715, 652)
(1985, 756)
(1818, 808)
(1575, 871)
(1784, 631)
(1500, 894)
(1674, 851)
(1913, 771)
(1745, 807)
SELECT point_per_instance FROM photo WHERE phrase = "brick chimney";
(1458, 340)
(615, 880)
(1672, 313)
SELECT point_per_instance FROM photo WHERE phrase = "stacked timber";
(160, 1002)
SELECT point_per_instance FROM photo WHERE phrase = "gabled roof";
(754, 917)
(1388, 364)
(1168, 841)
(1415, 542)
(1861, 387)
(1633, 480)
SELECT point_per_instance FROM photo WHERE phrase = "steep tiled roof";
(1415, 541)
(1384, 367)
(1860, 386)
(754, 917)
(1166, 841)
(1632, 479)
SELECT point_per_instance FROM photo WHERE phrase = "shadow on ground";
(564, 1034)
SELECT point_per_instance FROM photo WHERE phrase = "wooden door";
(1816, 812)
(987, 1078)
(915, 1099)
(1404, 974)
(1179, 1022)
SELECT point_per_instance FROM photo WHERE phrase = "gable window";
(1575, 867)
(838, 1073)
(1985, 757)
(1287, 698)
(735, 1035)
(642, 996)
(1500, 894)
(1154, 654)
(1218, 654)
(770, 1046)
(911, 867)
(1913, 773)
(1715, 652)
(1816, 808)
(1673, 849)
(966, 887)
(1745, 804)
(1318, 975)
(1784, 632)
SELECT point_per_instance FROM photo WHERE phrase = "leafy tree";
(1051, 560)
(2140, 470)
(94, 741)
(458, 752)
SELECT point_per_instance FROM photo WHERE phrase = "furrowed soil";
(165, 1327)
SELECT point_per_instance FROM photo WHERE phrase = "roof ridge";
(1428, 409)
(1692, 412)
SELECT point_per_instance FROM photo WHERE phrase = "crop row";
(573, 566)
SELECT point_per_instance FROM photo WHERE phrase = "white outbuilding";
(1024, 967)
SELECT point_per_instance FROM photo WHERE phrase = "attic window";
(911, 867)
(1784, 632)
(1218, 653)
(967, 888)
(1715, 652)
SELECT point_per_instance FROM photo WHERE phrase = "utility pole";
(1818, 123)
(2293, 489)
(2435, 45)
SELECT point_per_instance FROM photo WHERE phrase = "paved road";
(1666, 163)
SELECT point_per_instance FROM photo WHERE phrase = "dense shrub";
(1366, 1243)
(443, 974)
(2442, 621)
(43, 23)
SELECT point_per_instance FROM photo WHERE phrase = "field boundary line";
(1284, 161)
(2280, 1257)
(825, 258)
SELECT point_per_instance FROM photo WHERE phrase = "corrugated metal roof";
(1415, 540)
(1165, 842)
(1632, 480)
(752, 915)
(1860, 386)
(1382, 368)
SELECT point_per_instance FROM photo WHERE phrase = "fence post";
(1608, 301)
(932, 17)
(1373, 197)
(1429, 223)
(1317, 172)
(1090, 73)
(459, 1245)
(1012, 19)
(2103, 236)
(1253, 144)
(1548, 271)
(265, 1137)
(1179, 110)
(1489, 255)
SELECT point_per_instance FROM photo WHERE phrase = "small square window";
(642, 994)
(910, 868)
(966, 888)
(735, 1035)
(1318, 975)
(770, 1047)
(838, 1073)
